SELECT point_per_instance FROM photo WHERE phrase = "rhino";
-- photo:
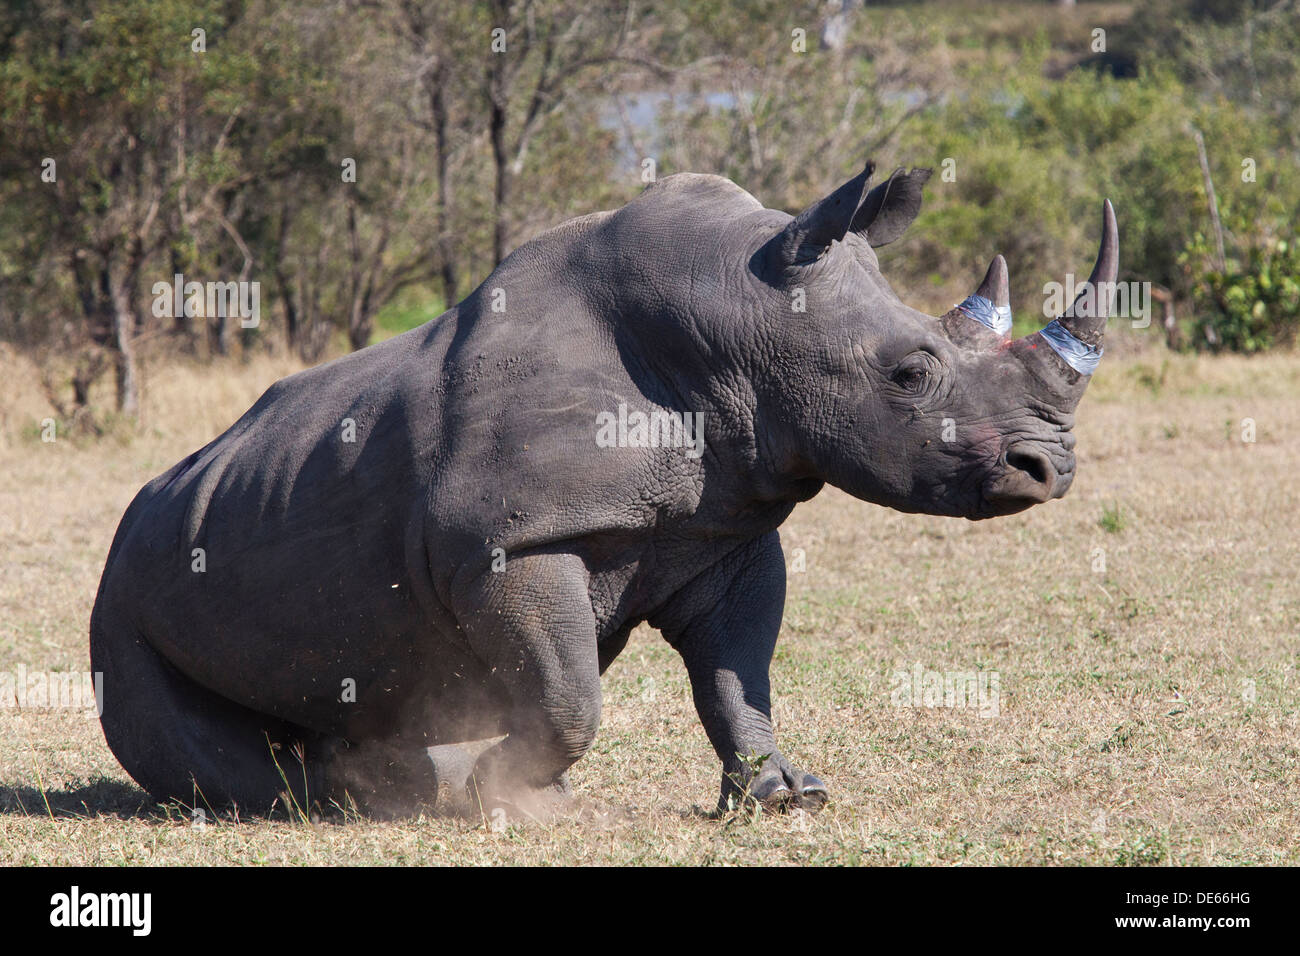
(449, 536)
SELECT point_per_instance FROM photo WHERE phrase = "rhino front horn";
(1077, 334)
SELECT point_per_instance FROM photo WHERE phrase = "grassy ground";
(1147, 709)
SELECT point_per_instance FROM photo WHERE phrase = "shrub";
(1254, 303)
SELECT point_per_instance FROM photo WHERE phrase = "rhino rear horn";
(990, 304)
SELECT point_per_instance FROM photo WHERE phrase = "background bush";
(225, 163)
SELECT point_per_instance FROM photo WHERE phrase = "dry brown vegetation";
(1128, 731)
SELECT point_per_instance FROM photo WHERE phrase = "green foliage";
(405, 312)
(1113, 519)
(1032, 157)
(1254, 303)
(1142, 851)
(1032, 150)
(227, 161)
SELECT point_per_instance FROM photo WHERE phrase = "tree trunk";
(1211, 199)
(361, 322)
(282, 283)
(82, 379)
(290, 316)
(446, 245)
(502, 175)
(181, 324)
(498, 88)
(1168, 320)
(219, 334)
(128, 389)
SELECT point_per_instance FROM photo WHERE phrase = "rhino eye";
(913, 376)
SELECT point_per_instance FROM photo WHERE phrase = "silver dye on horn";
(996, 317)
(1080, 357)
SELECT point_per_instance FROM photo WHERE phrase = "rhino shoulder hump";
(699, 184)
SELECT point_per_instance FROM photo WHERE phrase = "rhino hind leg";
(180, 741)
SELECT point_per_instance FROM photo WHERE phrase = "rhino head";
(946, 415)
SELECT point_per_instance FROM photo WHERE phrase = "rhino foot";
(778, 788)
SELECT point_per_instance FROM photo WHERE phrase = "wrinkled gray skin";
(371, 561)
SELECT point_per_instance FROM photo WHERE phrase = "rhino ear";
(828, 220)
(890, 207)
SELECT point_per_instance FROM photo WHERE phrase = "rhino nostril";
(1033, 463)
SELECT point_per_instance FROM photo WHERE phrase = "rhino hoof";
(812, 794)
(774, 795)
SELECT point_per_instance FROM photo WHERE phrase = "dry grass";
(1124, 733)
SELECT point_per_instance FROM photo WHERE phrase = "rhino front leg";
(533, 624)
(725, 626)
